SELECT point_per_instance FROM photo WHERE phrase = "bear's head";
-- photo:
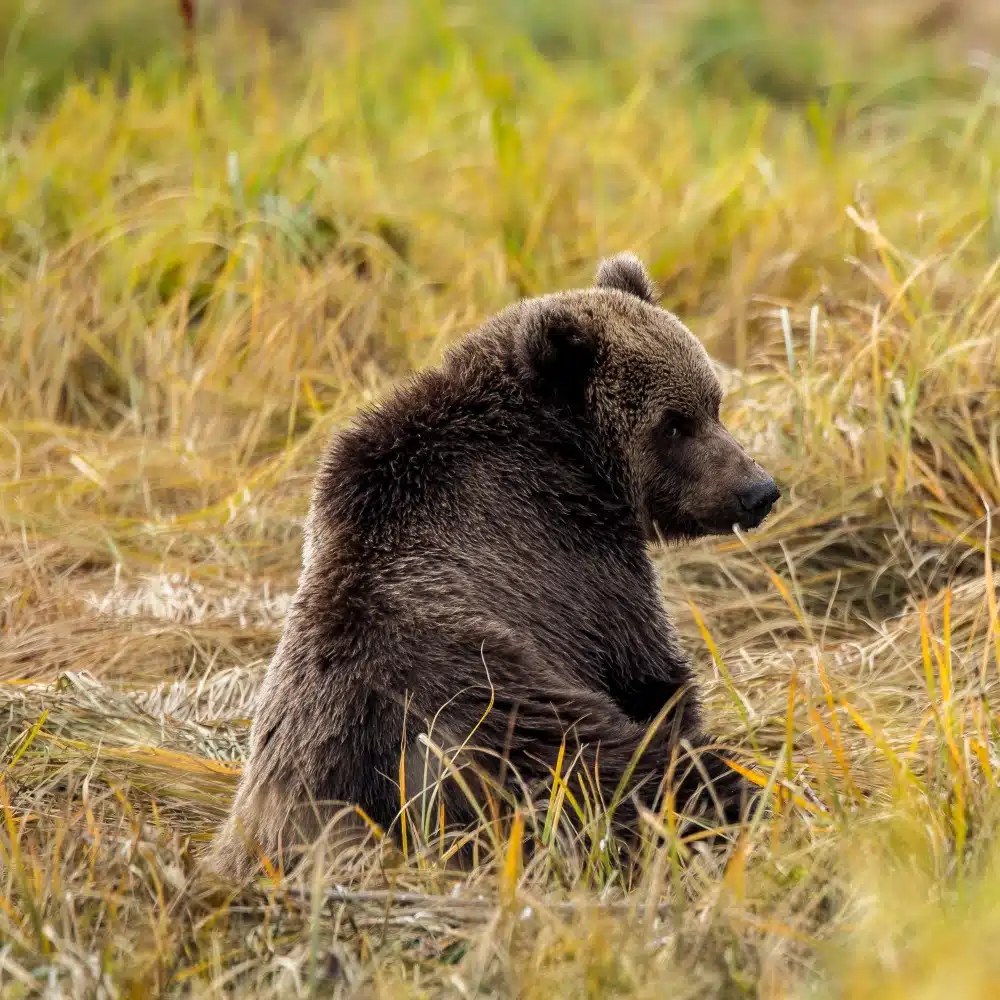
(647, 389)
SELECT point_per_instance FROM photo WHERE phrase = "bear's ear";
(626, 272)
(556, 352)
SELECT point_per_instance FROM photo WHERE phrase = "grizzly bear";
(476, 578)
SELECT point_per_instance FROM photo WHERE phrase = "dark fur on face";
(479, 539)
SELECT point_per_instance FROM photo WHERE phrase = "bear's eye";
(674, 426)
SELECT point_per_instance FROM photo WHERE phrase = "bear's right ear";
(627, 273)
(555, 351)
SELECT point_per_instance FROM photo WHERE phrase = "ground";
(208, 265)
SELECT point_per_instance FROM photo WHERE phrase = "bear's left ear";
(556, 352)
(626, 272)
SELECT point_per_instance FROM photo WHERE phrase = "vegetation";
(206, 267)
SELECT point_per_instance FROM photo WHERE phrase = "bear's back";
(463, 499)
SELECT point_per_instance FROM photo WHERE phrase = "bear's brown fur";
(475, 560)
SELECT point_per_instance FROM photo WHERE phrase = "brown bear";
(475, 562)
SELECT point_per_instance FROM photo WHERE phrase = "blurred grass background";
(215, 245)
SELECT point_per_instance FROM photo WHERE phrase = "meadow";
(215, 247)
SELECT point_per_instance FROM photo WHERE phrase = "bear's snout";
(756, 501)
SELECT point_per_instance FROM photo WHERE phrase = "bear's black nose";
(758, 499)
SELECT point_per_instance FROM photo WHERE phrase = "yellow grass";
(206, 271)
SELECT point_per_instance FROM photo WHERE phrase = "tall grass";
(204, 272)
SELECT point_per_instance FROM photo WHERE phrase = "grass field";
(206, 268)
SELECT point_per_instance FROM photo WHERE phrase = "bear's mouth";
(748, 520)
(724, 524)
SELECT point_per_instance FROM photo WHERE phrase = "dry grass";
(202, 277)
